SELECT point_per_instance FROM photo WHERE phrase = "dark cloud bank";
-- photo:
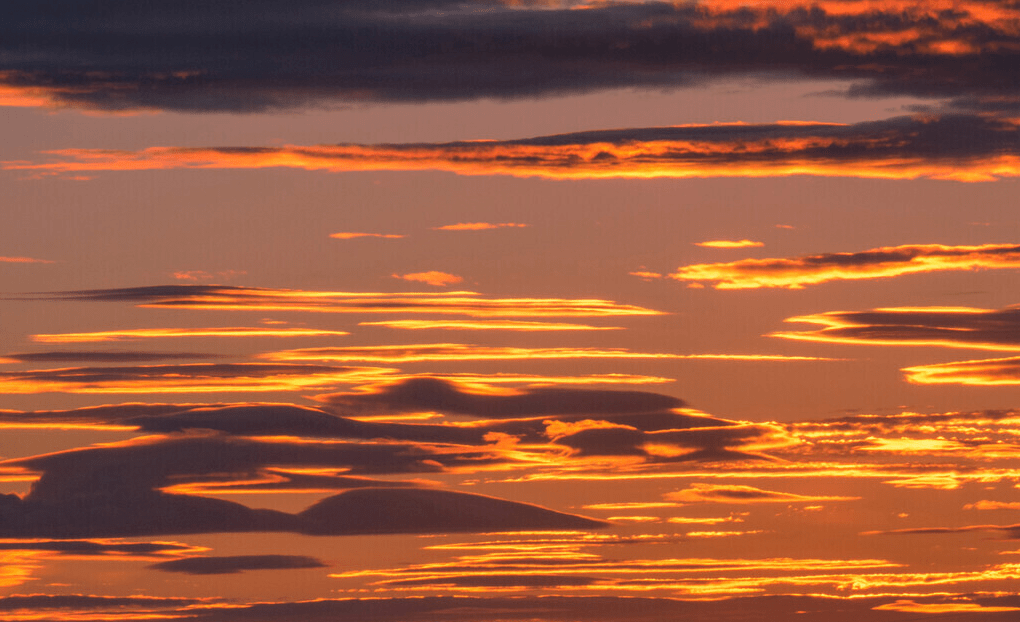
(256, 55)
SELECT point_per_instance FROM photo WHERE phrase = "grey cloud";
(237, 563)
(118, 356)
(253, 56)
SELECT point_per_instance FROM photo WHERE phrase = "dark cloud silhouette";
(253, 56)
(115, 491)
(1006, 532)
(122, 604)
(112, 356)
(424, 394)
(97, 548)
(989, 329)
(237, 563)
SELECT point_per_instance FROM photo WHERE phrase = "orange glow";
(478, 226)
(987, 372)
(729, 244)
(910, 606)
(160, 333)
(485, 325)
(16, 567)
(432, 277)
(23, 259)
(634, 160)
(875, 263)
(348, 235)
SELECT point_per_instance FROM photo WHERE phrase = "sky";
(509, 310)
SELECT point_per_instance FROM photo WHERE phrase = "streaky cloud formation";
(237, 563)
(983, 372)
(160, 333)
(432, 277)
(160, 56)
(347, 235)
(951, 327)
(478, 226)
(102, 356)
(716, 493)
(896, 148)
(729, 244)
(512, 325)
(233, 298)
(884, 262)
(23, 260)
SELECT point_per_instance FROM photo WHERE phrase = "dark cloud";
(237, 563)
(1007, 532)
(115, 491)
(990, 329)
(120, 356)
(123, 604)
(432, 394)
(96, 547)
(252, 56)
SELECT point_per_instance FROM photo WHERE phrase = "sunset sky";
(510, 310)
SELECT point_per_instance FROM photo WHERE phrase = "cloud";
(101, 548)
(104, 356)
(202, 275)
(119, 490)
(346, 235)
(729, 244)
(162, 333)
(237, 563)
(156, 56)
(985, 372)
(884, 262)
(432, 277)
(478, 226)
(23, 260)
(513, 325)
(429, 394)
(713, 493)
(896, 148)
(233, 298)
(184, 378)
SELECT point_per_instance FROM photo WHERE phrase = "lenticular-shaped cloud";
(885, 262)
(237, 563)
(897, 148)
(723, 493)
(982, 372)
(421, 394)
(952, 327)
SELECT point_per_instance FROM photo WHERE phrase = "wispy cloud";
(202, 275)
(23, 260)
(162, 333)
(717, 493)
(432, 277)
(984, 372)
(729, 244)
(884, 262)
(511, 325)
(233, 298)
(897, 148)
(478, 226)
(347, 235)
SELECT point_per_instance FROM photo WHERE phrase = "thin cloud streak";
(510, 325)
(23, 260)
(478, 226)
(730, 244)
(1000, 372)
(346, 235)
(432, 277)
(884, 262)
(897, 148)
(162, 333)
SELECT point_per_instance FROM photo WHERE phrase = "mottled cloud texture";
(175, 55)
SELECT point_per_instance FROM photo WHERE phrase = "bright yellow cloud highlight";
(162, 333)
(986, 372)
(478, 226)
(432, 277)
(729, 244)
(348, 235)
(884, 262)
(511, 325)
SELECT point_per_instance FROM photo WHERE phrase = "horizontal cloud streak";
(953, 327)
(160, 333)
(984, 372)
(897, 148)
(884, 262)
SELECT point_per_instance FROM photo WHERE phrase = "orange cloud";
(234, 298)
(485, 325)
(161, 333)
(986, 372)
(898, 148)
(716, 493)
(23, 260)
(432, 277)
(729, 244)
(202, 275)
(346, 235)
(950, 327)
(478, 226)
(884, 262)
